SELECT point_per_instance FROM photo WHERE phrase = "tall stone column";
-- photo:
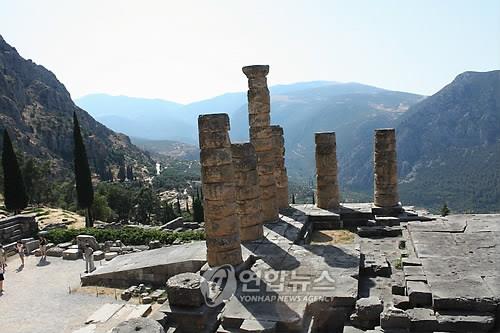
(222, 225)
(247, 191)
(386, 169)
(280, 169)
(327, 186)
(259, 108)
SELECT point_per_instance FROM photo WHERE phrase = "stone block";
(379, 231)
(423, 320)
(388, 221)
(419, 293)
(110, 255)
(71, 254)
(64, 245)
(126, 295)
(452, 321)
(393, 318)
(369, 308)
(83, 240)
(157, 294)
(185, 290)
(55, 251)
(146, 300)
(398, 284)
(175, 223)
(144, 325)
(31, 245)
(98, 255)
(401, 302)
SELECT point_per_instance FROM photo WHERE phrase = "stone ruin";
(329, 267)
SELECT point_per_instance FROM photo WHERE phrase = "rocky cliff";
(37, 110)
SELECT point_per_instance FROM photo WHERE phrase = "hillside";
(448, 147)
(168, 149)
(38, 112)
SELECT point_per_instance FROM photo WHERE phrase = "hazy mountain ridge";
(38, 112)
(448, 147)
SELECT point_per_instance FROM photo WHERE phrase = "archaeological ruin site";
(269, 265)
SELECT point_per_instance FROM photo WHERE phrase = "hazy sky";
(187, 50)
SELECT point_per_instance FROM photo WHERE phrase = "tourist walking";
(20, 251)
(43, 248)
(3, 264)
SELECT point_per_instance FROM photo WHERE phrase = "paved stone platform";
(153, 266)
(290, 282)
(460, 256)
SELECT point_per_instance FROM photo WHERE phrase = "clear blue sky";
(187, 50)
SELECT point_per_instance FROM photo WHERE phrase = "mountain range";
(448, 143)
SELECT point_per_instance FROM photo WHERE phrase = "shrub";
(128, 235)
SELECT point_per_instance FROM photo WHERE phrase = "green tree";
(121, 173)
(167, 212)
(36, 182)
(198, 214)
(178, 205)
(14, 190)
(130, 173)
(100, 209)
(84, 190)
(146, 205)
(293, 199)
(445, 210)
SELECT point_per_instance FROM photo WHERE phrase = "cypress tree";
(14, 190)
(293, 199)
(178, 203)
(84, 190)
(314, 199)
(122, 173)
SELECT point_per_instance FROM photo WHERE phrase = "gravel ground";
(37, 298)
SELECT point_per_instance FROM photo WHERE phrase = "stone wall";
(17, 227)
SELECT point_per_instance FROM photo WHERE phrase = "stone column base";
(387, 211)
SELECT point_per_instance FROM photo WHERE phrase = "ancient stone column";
(247, 191)
(386, 169)
(280, 169)
(259, 116)
(327, 186)
(222, 226)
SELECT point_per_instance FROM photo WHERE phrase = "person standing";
(3, 264)
(43, 248)
(89, 259)
(20, 251)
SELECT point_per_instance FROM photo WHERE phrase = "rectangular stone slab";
(419, 293)
(104, 313)
(467, 294)
(464, 322)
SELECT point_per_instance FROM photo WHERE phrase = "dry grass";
(333, 237)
